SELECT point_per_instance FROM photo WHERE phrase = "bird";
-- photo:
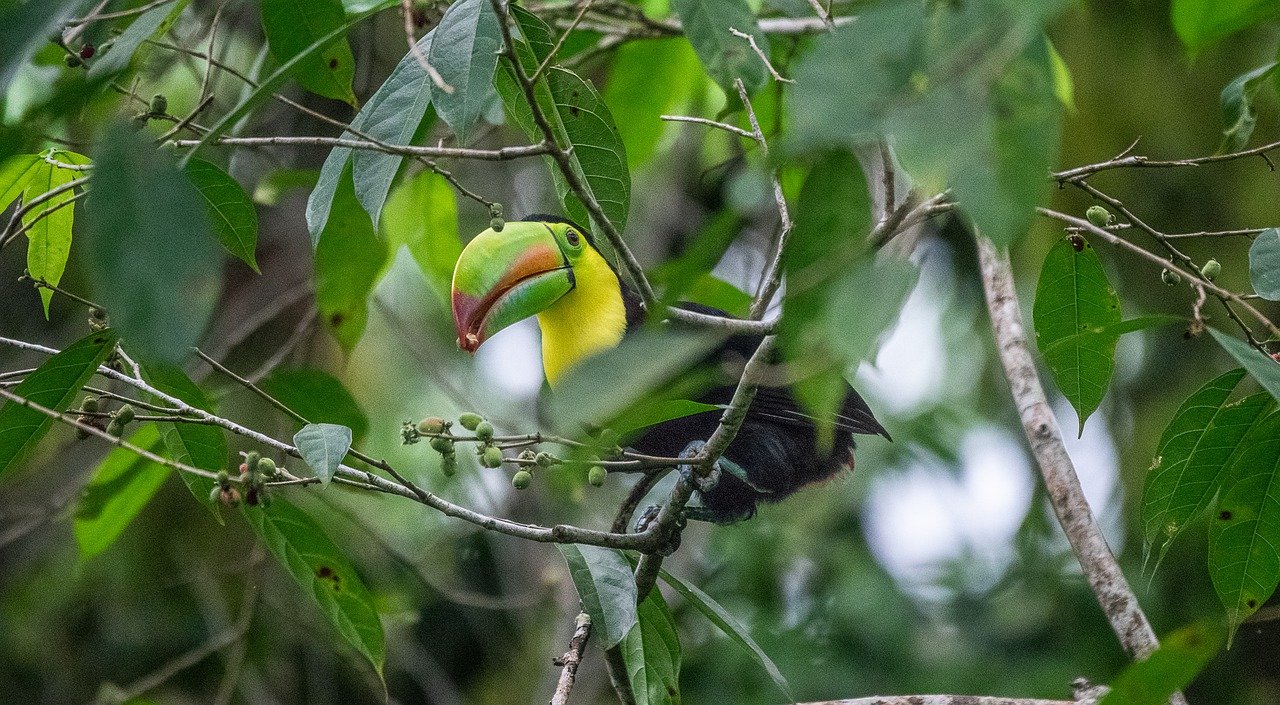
(550, 268)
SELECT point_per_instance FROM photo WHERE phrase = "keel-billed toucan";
(549, 267)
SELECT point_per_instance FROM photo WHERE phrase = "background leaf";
(230, 211)
(1264, 264)
(646, 80)
(1073, 296)
(152, 259)
(1238, 112)
(49, 238)
(1200, 23)
(725, 56)
(606, 587)
(1170, 668)
(325, 575)
(422, 214)
(292, 26)
(466, 55)
(319, 397)
(199, 445)
(347, 260)
(1261, 367)
(322, 447)
(53, 385)
(651, 650)
(149, 24)
(118, 490)
(15, 173)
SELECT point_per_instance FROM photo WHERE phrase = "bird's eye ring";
(572, 238)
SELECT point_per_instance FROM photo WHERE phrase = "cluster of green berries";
(90, 413)
(255, 471)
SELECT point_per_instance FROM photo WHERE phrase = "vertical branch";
(571, 659)
(1108, 583)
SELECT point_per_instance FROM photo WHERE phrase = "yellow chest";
(586, 321)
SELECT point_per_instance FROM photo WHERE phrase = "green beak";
(506, 276)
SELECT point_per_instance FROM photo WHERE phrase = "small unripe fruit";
(244, 468)
(484, 431)
(229, 496)
(115, 428)
(215, 494)
(522, 479)
(223, 478)
(545, 460)
(1098, 215)
(596, 475)
(448, 464)
(470, 420)
(430, 425)
(251, 458)
(1170, 277)
(491, 457)
(86, 51)
(1211, 270)
(125, 414)
(267, 467)
(90, 404)
(159, 104)
(442, 445)
(72, 61)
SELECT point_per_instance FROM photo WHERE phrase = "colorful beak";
(506, 276)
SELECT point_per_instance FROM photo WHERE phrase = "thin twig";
(771, 279)
(569, 662)
(551, 55)
(96, 17)
(406, 10)
(751, 39)
(1141, 162)
(710, 123)
(409, 150)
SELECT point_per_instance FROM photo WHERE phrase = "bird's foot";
(647, 516)
(723, 464)
(672, 540)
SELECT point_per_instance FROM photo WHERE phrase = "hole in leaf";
(333, 63)
(1251, 603)
(1225, 515)
(327, 573)
(336, 319)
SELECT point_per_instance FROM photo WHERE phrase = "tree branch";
(409, 150)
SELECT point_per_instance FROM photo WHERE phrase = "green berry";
(484, 431)
(1211, 270)
(267, 467)
(497, 224)
(159, 104)
(215, 494)
(522, 479)
(224, 479)
(1170, 277)
(115, 428)
(491, 457)
(430, 425)
(1099, 216)
(470, 420)
(126, 413)
(448, 464)
(596, 475)
(442, 445)
(544, 460)
(251, 458)
(90, 404)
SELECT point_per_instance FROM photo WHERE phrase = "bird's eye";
(573, 238)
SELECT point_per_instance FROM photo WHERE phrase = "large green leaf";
(322, 447)
(422, 214)
(725, 56)
(466, 55)
(1244, 537)
(49, 235)
(325, 575)
(1264, 264)
(152, 259)
(648, 79)
(121, 486)
(200, 445)
(348, 259)
(1198, 445)
(230, 211)
(15, 173)
(1200, 23)
(292, 26)
(606, 588)
(394, 114)
(580, 119)
(1073, 296)
(53, 385)
(651, 651)
(319, 397)
(1261, 367)
(727, 623)
(25, 27)
(1238, 112)
(1181, 656)
(149, 24)
(964, 91)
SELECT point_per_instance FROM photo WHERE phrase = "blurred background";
(935, 567)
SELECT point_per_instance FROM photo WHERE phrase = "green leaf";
(1238, 113)
(646, 415)
(348, 259)
(1264, 264)
(1181, 656)
(25, 27)
(394, 114)
(272, 187)
(325, 575)
(648, 79)
(1262, 368)
(964, 92)
(1197, 447)
(651, 651)
(292, 26)
(198, 445)
(49, 238)
(319, 397)
(1073, 296)
(118, 490)
(579, 118)
(466, 55)
(725, 56)
(735, 630)
(234, 219)
(422, 214)
(269, 85)
(320, 202)
(864, 304)
(149, 24)
(322, 447)
(152, 259)
(1063, 87)
(1244, 558)
(53, 385)
(606, 587)
(15, 173)
(1200, 23)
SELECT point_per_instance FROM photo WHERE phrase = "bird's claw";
(723, 464)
